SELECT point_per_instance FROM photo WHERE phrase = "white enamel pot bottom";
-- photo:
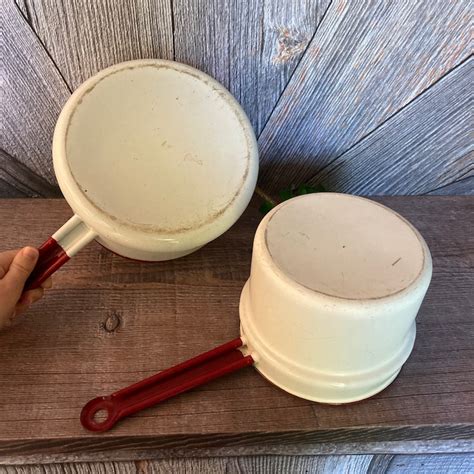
(155, 158)
(328, 313)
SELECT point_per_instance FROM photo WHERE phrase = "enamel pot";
(155, 158)
(328, 313)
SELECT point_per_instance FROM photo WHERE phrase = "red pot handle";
(178, 379)
(58, 249)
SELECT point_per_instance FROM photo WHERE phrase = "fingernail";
(30, 253)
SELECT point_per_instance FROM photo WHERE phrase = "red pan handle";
(178, 379)
(58, 249)
(51, 257)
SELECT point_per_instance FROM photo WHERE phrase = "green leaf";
(266, 207)
(307, 189)
(303, 189)
(286, 194)
(289, 193)
(319, 188)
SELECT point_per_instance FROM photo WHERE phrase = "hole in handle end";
(89, 419)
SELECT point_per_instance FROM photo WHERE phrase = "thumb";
(22, 265)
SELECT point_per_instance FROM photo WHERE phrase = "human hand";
(15, 268)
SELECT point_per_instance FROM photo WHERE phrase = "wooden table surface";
(109, 322)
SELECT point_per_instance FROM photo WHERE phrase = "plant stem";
(265, 196)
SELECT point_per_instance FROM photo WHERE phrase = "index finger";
(6, 259)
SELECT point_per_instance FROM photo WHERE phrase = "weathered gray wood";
(118, 452)
(17, 180)
(380, 463)
(84, 37)
(367, 60)
(426, 145)
(462, 186)
(231, 465)
(425, 464)
(264, 464)
(62, 355)
(251, 47)
(354, 464)
(260, 465)
(23, 7)
(33, 94)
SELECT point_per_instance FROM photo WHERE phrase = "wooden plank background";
(370, 61)
(252, 47)
(404, 145)
(110, 321)
(367, 97)
(364, 464)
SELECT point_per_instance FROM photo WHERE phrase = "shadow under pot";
(155, 158)
(328, 313)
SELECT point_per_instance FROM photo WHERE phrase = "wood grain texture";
(17, 180)
(355, 464)
(32, 97)
(462, 186)
(411, 153)
(85, 468)
(83, 38)
(64, 353)
(353, 66)
(366, 61)
(143, 448)
(21, 4)
(441, 463)
(231, 465)
(251, 47)
(380, 463)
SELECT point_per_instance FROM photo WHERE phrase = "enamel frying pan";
(155, 159)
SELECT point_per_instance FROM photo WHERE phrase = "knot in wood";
(112, 323)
